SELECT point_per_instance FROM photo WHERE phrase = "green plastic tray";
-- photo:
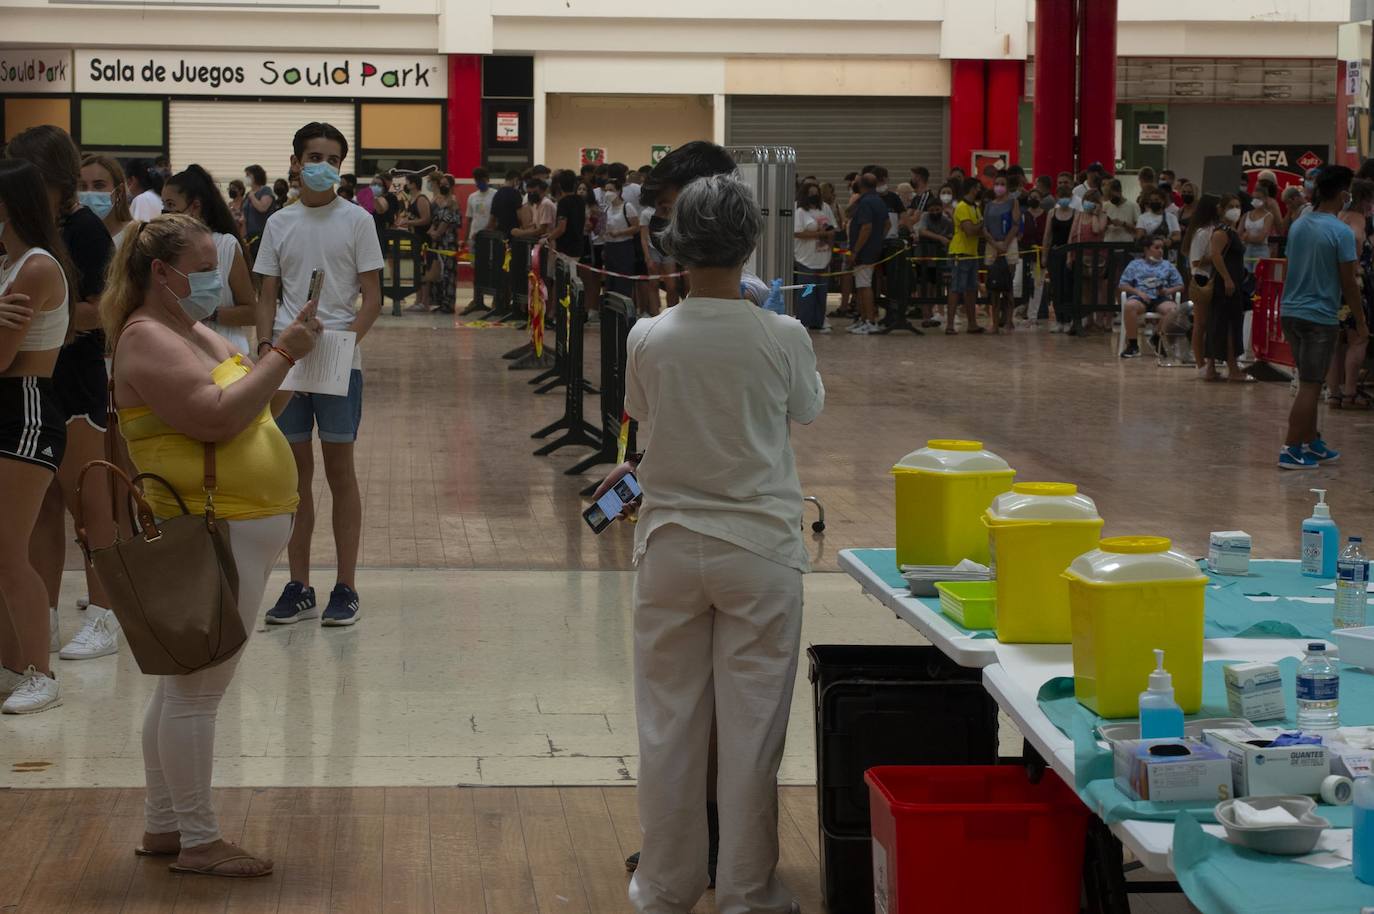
(973, 604)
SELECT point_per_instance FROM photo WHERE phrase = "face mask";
(611, 196)
(947, 198)
(204, 296)
(319, 176)
(814, 201)
(1310, 185)
(98, 202)
(1089, 206)
(1189, 198)
(1166, 187)
(1117, 198)
(482, 185)
(534, 198)
(999, 190)
(1064, 202)
(882, 188)
(1156, 206)
(1232, 214)
(378, 190)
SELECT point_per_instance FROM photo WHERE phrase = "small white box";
(1347, 760)
(1254, 691)
(1171, 769)
(1261, 770)
(1229, 552)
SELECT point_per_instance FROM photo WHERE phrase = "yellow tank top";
(255, 471)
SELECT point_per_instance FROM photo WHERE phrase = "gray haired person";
(714, 384)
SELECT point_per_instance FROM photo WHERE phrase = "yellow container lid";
(952, 455)
(1135, 545)
(1045, 488)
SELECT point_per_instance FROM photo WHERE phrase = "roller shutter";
(836, 135)
(223, 137)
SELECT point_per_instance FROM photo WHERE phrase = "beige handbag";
(173, 585)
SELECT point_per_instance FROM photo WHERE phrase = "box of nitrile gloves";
(1171, 769)
(1262, 769)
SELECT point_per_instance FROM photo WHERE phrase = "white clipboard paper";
(326, 369)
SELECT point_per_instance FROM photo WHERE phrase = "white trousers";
(179, 723)
(717, 630)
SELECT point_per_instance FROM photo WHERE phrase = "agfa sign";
(1288, 163)
(246, 73)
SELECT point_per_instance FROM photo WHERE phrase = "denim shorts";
(963, 274)
(337, 416)
(1312, 345)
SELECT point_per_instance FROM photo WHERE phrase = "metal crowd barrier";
(617, 316)
(398, 247)
(576, 430)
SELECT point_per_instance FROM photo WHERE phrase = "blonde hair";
(120, 195)
(130, 272)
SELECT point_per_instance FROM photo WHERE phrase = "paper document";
(325, 370)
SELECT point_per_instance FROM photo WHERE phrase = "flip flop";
(144, 852)
(213, 869)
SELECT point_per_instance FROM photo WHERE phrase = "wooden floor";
(358, 851)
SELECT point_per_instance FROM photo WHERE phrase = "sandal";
(232, 855)
(1335, 401)
(144, 851)
(1358, 400)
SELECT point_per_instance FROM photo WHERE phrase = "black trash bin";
(884, 705)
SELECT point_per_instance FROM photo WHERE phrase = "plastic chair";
(1147, 320)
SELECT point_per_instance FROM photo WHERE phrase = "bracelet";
(284, 354)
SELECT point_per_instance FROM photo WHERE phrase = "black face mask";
(534, 198)
(1156, 206)
(1189, 198)
(814, 201)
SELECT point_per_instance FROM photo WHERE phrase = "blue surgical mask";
(1064, 202)
(482, 185)
(1089, 206)
(99, 202)
(204, 296)
(319, 176)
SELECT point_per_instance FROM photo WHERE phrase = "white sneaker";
(1056, 327)
(861, 328)
(825, 328)
(99, 637)
(54, 635)
(36, 692)
(83, 602)
(9, 680)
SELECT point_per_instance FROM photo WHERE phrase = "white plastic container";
(1356, 645)
(1228, 552)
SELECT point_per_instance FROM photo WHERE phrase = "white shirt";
(337, 238)
(1149, 221)
(226, 246)
(1200, 249)
(146, 207)
(714, 383)
(630, 194)
(479, 209)
(812, 253)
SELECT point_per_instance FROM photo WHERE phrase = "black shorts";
(641, 265)
(32, 426)
(80, 380)
(1312, 346)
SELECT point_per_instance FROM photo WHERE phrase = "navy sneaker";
(1296, 458)
(296, 602)
(1319, 452)
(343, 606)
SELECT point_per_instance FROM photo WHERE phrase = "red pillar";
(1006, 83)
(1097, 84)
(967, 111)
(1055, 82)
(464, 114)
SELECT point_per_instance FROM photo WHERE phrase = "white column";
(718, 118)
(539, 125)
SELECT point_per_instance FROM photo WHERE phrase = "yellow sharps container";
(1034, 532)
(1129, 596)
(942, 491)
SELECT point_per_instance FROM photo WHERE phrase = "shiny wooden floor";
(357, 851)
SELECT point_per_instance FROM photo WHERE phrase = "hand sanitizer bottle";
(1160, 715)
(1320, 540)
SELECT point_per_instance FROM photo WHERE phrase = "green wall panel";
(121, 122)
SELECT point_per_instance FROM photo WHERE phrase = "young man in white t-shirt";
(327, 233)
(478, 215)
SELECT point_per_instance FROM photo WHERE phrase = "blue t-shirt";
(1318, 244)
(1151, 278)
(870, 210)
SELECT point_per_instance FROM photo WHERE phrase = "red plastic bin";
(974, 838)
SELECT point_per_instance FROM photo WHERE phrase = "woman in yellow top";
(963, 256)
(178, 385)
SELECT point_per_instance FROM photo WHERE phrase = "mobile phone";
(316, 283)
(608, 507)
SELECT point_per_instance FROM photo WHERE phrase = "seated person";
(1149, 283)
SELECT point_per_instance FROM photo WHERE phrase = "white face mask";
(947, 198)
(1232, 214)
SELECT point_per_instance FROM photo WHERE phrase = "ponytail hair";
(120, 195)
(195, 184)
(56, 157)
(130, 272)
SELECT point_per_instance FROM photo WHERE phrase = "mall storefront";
(228, 109)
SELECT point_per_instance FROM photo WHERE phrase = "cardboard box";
(1228, 552)
(1254, 691)
(1347, 760)
(1166, 770)
(1261, 770)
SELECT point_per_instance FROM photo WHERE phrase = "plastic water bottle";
(1352, 576)
(1319, 690)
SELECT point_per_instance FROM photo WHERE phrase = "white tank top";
(616, 220)
(47, 329)
(226, 246)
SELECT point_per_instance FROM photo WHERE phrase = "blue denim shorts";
(964, 276)
(338, 417)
